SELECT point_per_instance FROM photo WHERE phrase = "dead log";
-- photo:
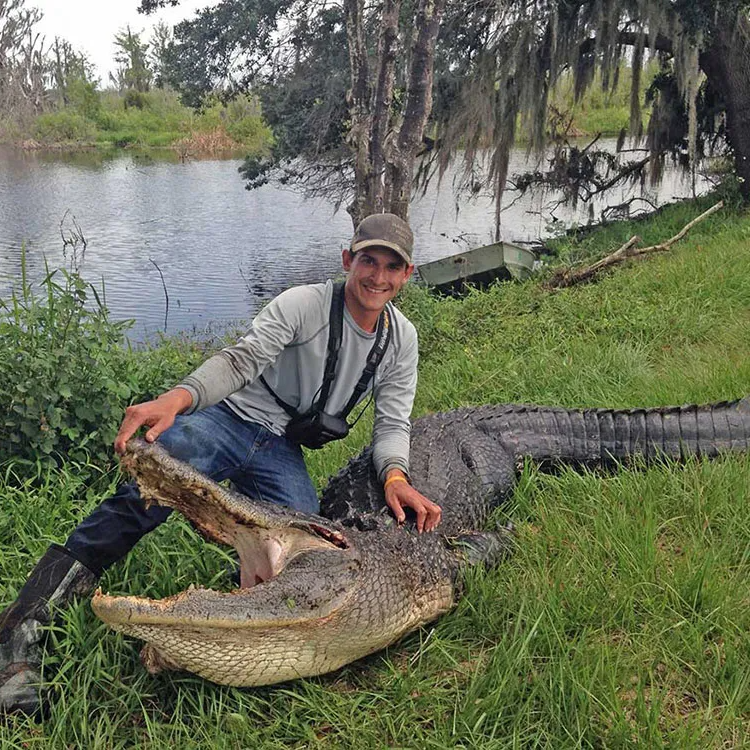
(571, 276)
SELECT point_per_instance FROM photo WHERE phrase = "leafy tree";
(159, 55)
(133, 72)
(520, 51)
(305, 104)
(73, 79)
(34, 77)
(22, 60)
(356, 111)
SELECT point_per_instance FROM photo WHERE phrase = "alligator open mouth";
(314, 595)
(265, 536)
(298, 576)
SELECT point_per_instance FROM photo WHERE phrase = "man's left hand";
(400, 494)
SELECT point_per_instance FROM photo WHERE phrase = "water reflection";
(222, 249)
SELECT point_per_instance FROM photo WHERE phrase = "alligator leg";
(487, 548)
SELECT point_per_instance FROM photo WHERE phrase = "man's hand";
(399, 494)
(158, 415)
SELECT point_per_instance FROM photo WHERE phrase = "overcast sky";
(90, 25)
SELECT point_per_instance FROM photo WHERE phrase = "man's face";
(375, 277)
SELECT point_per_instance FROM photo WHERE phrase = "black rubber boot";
(53, 583)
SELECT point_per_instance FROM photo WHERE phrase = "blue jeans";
(220, 445)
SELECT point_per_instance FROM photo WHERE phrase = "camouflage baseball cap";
(384, 230)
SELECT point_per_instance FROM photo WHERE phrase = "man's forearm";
(180, 398)
(390, 452)
(213, 381)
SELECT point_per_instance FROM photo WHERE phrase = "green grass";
(599, 111)
(154, 119)
(621, 621)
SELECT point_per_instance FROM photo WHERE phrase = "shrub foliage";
(64, 377)
(67, 372)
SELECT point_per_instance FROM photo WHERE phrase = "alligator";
(317, 592)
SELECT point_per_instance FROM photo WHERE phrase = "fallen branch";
(570, 277)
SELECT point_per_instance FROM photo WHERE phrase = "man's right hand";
(158, 415)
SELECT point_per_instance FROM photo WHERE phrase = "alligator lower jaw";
(203, 610)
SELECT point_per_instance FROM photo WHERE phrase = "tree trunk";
(726, 63)
(384, 160)
(59, 70)
(381, 103)
(400, 169)
(358, 100)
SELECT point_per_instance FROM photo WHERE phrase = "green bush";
(134, 99)
(251, 131)
(84, 98)
(157, 119)
(64, 376)
(67, 373)
(65, 125)
(240, 117)
(106, 120)
(162, 363)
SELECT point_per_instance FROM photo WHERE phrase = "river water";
(222, 250)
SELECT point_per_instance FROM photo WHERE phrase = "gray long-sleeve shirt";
(287, 343)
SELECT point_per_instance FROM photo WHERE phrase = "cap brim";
(382, 243)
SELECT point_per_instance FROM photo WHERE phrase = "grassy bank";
(621, 621)
(152, 119)
(600, 111)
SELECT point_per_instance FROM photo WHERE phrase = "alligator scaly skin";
(356, 582)
(467, 459)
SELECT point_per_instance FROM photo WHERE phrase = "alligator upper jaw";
(266, 536)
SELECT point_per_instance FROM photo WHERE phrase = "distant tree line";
(36, 75)
(368, 101)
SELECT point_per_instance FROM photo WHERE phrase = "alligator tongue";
(254, 565)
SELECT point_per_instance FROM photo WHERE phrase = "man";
(228, 420)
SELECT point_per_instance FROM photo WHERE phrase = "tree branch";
(660, 43)
(570, 277)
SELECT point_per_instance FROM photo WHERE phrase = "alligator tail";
(607, 436)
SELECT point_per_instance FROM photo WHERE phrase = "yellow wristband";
(397, 478)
